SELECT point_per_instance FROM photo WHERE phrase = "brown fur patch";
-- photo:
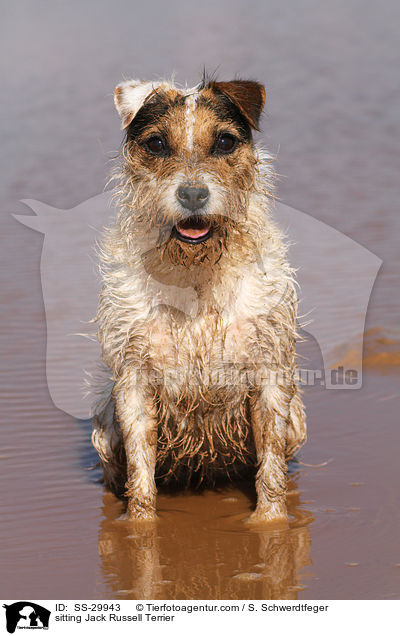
(248, 96)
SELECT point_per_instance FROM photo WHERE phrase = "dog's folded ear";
(248, 96)
(130, 96)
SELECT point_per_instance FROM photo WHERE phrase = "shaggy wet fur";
(198, 338)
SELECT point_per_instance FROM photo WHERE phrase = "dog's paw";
(149, 517)
(140, 512)
(273, 515)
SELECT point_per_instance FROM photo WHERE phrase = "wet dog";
(197, 314)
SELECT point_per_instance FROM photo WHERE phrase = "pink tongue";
(193, 232)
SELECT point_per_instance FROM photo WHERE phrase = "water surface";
(331, 72)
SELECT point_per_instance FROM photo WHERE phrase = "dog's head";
(189, 162)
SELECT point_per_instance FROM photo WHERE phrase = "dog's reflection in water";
(199, 548)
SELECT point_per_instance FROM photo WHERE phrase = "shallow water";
(330, 73)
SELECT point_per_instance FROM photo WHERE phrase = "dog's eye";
(156, 145)
(225, 144)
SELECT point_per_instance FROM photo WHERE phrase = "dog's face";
(189, 161)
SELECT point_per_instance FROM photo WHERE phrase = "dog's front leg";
(269, 424)
(136, 414)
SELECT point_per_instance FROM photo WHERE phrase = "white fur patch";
(190, 119)
(130, 96)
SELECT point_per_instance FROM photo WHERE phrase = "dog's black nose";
(192, 197)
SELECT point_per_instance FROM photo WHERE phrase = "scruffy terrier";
(197, 314)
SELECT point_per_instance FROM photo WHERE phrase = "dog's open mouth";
(195, 229)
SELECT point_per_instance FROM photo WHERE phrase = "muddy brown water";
(330, 72)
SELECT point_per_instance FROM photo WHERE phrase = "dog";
(197, 313)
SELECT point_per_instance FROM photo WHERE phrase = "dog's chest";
(202, 389)
(204, 354)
